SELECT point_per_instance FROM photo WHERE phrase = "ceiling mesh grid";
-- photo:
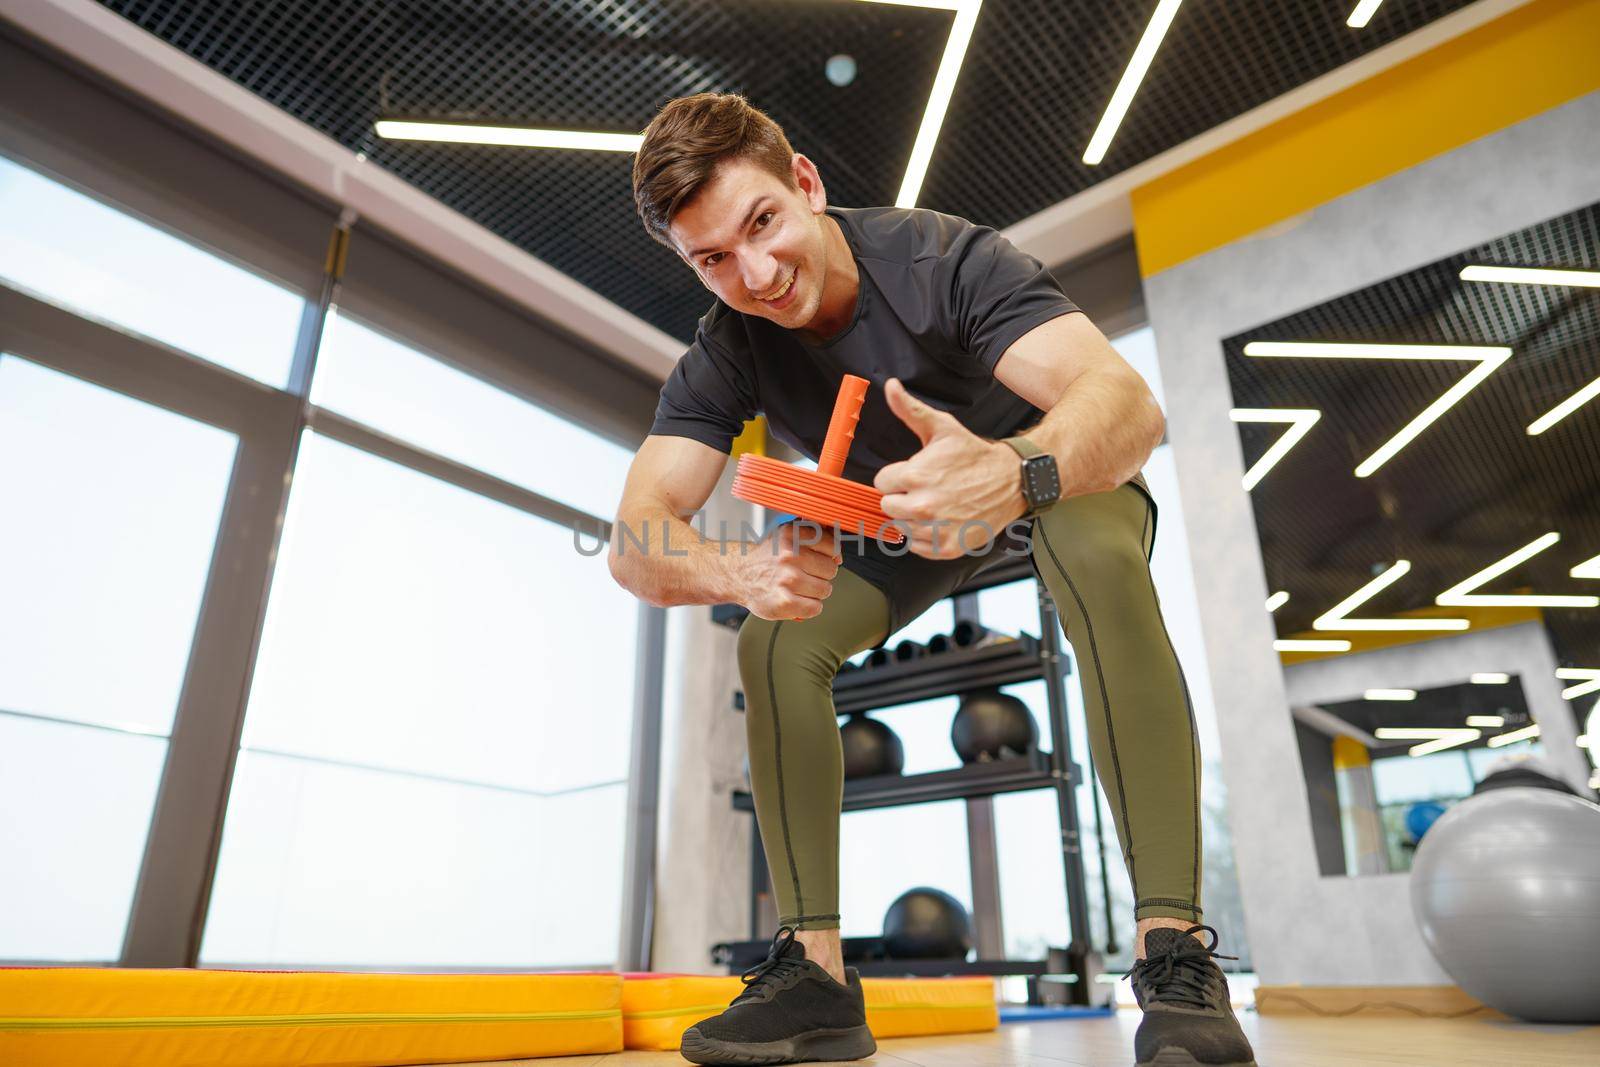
(1474, 486)
(1034, 84)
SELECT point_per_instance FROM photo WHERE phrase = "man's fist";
(790, 572)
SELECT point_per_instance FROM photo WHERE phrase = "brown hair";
(683, 145)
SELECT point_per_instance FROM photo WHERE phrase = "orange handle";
(842, 427)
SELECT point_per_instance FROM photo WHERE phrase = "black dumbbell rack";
(955, 671)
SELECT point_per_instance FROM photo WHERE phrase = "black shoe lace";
(1180, 975)
(772, 970)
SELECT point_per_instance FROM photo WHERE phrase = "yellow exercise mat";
(658, 1008)
(96, 1017)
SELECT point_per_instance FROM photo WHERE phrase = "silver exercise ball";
(1506, 889)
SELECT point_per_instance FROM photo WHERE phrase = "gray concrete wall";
(1302, 927)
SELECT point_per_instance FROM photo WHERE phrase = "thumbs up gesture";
(958, 493)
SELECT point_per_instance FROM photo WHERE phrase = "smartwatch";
(1041, 481)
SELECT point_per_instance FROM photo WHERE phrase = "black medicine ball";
(870, 748)
(927, 924)
(992, 725)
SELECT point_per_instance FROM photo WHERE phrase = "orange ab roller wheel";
(821, 496)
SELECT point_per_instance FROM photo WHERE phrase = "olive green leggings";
(1093, 553)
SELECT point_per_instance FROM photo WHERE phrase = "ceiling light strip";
(1454, 738)
(1362, 14)
(1588, 279)
(1336, 618)
(1488, 359)
(508, 136)
(1413, 733)
(944, 85)
(1493, 722)
(1302, 644)
(1300, 421)
(1565, 408)
(1582, 689)
(1589, 568)
(1138, 66)
(1527, 733)
(1390, 694)
(1277, 600)
(1461, 594)
(1490, 678)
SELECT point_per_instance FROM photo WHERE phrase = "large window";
(111, 511)
(92, 258)
(437, 740)
(370, 377)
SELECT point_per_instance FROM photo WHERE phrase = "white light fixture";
(1413, 733)
(1143, 54)
(1589, 568)
(1362, 14)
(1300, 421)
(1336, 617)
(933, 115)
(1565, 408)
(1490, 678)
(1493, 722)
(1524, 734)
(1487, 358)
(1300, 644)
(1461, 594)
(1531, 276)
(1588, 679)
(944, 84)
(1390, 694)
(1583, 740)
(1451, 740)
(1277, 600)
(511, 136)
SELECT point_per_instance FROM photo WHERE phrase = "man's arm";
(1101, 420)
(1101, 423)
(657, 555)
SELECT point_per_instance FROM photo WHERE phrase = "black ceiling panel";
(1035, 81)
(1474, 486)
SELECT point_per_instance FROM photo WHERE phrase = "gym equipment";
(1420, 817)
(909, 650)
(821, 496)
(67, 1016)
(927, 924)
(877, 657)
(870, 748)
(967, 634)
(1505, 888)
(992, 725)
(1527, 769)
(658, 1008)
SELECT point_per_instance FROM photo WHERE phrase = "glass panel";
(416, 626)
(389, 386)
(886, 851)
(70, 853)
(327, 866)
(1138, 347)
(112, 507)
(87, 256)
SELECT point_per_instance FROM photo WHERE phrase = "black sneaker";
(791, 1011)
(1188, 1020)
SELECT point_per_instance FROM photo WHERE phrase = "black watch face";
(1041, 481)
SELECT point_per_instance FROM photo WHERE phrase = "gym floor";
(1280, 1041)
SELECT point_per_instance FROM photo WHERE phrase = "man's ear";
(810, 183)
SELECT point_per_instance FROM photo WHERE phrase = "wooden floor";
(1280, 1041)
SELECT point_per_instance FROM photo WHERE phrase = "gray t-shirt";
(941, 300)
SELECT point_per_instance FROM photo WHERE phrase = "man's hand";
(955, 495)
(789, 573)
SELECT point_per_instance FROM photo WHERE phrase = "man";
(994, 400)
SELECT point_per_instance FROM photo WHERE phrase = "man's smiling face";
(757, 243)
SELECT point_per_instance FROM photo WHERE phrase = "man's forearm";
(1101, 431)
(665, 561)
